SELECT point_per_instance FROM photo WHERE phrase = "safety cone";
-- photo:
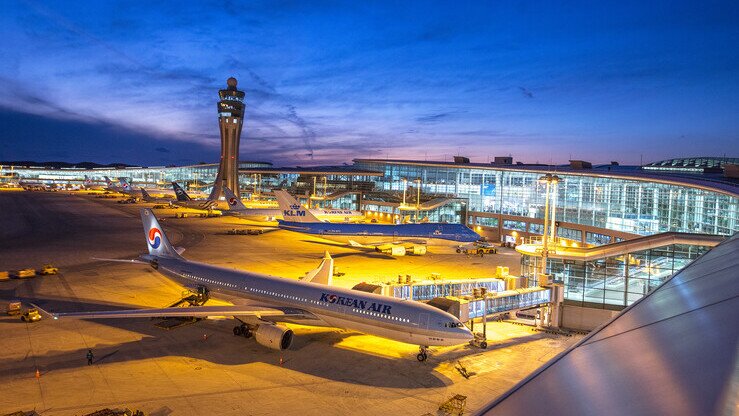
(38, 373)
(281, 360)
(205, 337)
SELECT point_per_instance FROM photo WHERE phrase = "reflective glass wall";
(631, 206)
(614, 282)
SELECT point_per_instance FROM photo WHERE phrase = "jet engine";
(276, 337)
(392, 250)
(416, 249)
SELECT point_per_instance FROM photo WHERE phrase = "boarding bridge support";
(551, 313)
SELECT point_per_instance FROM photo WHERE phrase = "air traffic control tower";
(230, 120)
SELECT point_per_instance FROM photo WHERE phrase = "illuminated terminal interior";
(504, 202)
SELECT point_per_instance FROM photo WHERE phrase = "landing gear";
(422, 350)
(242, 330)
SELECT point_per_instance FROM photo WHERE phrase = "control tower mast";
(230, 120)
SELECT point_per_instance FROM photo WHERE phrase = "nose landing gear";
(422, 353)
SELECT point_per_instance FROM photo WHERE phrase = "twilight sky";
(325, 82)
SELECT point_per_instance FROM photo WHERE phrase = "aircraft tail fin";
(156, 240)
(182, 196)
(124, 184)
(292, 210)
(145, 195)
(108, 181)
(234, 202)
(324, 273)
(217, 190)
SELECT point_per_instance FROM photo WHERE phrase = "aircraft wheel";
(483, 345)
(245, 331)
(237, 330)
(421, 357)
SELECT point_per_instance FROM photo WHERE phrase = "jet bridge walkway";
(492, 304)
(622, 247)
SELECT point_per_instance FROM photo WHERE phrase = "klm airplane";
(309, 301)
(237, 208)
(393, 239)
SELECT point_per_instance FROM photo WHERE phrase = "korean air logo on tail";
(294, 211)
(155, 238)
(232, 201)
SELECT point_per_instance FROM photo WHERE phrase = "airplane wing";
(258, 312)
(386, 244)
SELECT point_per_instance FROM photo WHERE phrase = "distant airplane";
(309, 301)
(184, 200)
(114, 187)
(236, 207)
(148, 198)
(90, 185)
(393, 239)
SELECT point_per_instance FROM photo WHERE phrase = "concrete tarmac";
(203, 369)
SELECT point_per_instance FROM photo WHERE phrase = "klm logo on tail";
(294, 211)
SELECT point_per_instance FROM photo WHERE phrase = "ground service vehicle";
(24, 273)
(31, 315)
(48, 269)
(14, 308)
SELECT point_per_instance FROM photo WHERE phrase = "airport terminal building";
(688, 205)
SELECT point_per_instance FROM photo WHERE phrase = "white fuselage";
(400, 320)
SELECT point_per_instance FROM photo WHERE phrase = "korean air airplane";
(184, 200)
(393, 239)
(275, 301)
(236, 207)
(113, 187)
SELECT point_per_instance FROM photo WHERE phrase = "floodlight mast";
(550, 180)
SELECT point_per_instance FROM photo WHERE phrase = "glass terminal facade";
(513, 199)
(593, 206)
(617, 281)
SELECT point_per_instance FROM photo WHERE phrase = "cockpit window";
(453, 324)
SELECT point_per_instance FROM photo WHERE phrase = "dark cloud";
(162, 149)
(526, 93)
(432, 118)
(30, 136)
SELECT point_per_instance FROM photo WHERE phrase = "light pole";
(549, 179)
(405, 186)
(555, 193)
(418, 196)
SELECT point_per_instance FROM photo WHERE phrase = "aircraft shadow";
(213, 341)
(359, 252)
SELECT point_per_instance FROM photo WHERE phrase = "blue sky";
(327, 82)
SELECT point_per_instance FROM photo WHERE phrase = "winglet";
(324, 273)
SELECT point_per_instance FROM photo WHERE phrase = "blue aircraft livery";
(452, 232)
(294, 211)
(356, 303)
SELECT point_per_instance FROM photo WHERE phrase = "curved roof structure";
(696, 162)
(672, 352)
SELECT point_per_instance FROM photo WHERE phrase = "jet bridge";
(495, 304)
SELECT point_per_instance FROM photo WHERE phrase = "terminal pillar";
(230, 121)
